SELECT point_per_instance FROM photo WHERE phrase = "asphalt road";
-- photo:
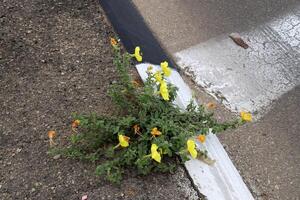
(56, 59)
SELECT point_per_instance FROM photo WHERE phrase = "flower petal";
(123, 141)
(246, 116)
(201, 138)
(137, 54)
(165, 68)
(113, 42)
(51, 134)
(76, 123)
(149, 68)
(191, 146)
(158, 76)
(164, 90)
(154, 153)
(155, 132)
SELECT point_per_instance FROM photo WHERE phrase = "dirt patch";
(55, 59)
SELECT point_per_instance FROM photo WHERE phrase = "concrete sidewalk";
(262, 79)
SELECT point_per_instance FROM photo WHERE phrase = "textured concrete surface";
(180, 24)
(249, 79)
(265, 152)
(246, 79)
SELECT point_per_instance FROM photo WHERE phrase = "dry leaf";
(238, 40)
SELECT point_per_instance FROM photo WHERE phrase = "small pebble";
(56, 157)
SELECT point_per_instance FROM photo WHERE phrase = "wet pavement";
(262, 79)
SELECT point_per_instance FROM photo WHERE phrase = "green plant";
(151, 132)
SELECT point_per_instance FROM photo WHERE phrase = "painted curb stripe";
(221, 181)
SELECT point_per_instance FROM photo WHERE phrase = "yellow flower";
(191, 146)
(246, 116)
(164, 90)
(113, 42)
(149, 69)
(123, 141)
(154, 153)
(155, 132)
(158, 76)
(201, 138)
(137, 54)
(75, 123)
(165, 68)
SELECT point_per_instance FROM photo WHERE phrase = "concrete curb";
(221, 181)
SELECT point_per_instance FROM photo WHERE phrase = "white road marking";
(248, 79)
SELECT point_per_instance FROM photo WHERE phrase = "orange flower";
(137, 129)
(75, 123)
(155, 132)
(113, 42)
(211, 105)
(201, 138)
(51, 134)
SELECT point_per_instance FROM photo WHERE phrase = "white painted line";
(252, 78)
(220, 181)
